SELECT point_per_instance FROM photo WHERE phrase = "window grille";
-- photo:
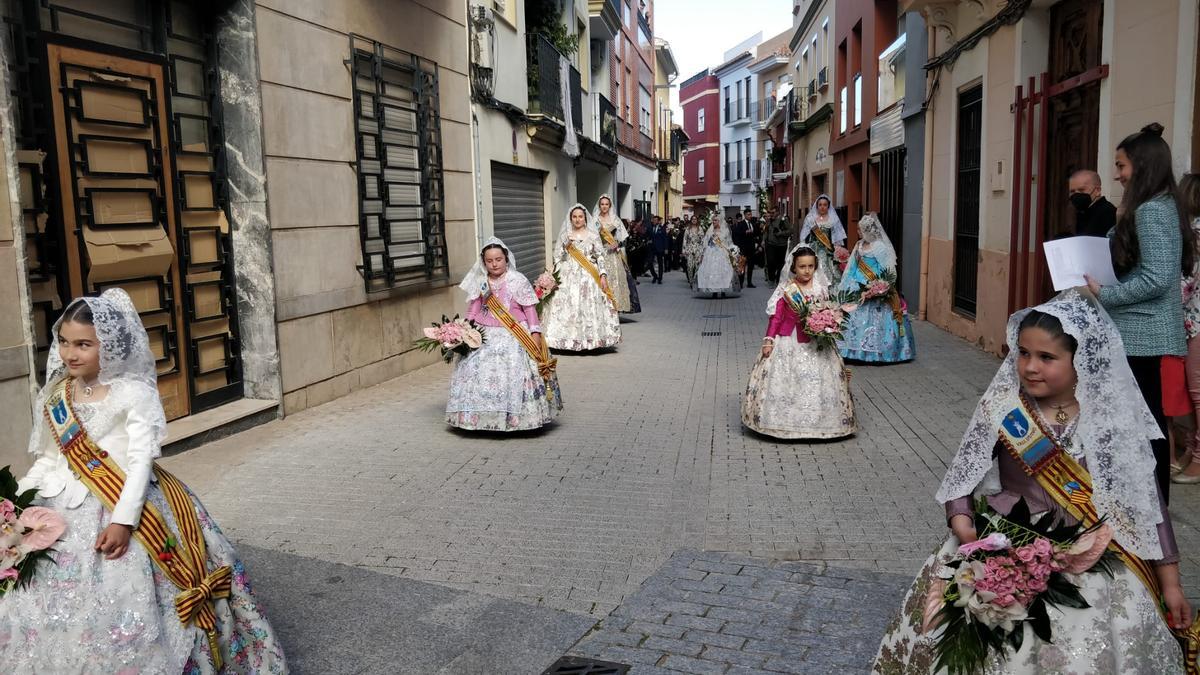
(399, 153)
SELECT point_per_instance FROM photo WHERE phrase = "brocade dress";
(876, 332)
(620, 279)
(579, 316)
(498, 387)
(715, 273)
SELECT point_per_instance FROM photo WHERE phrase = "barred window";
(399, 153)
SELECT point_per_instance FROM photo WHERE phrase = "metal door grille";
(966, 200)
(399, 153)
(892, 165)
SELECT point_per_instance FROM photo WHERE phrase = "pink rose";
(1042, 547)
(1025, 554)
(7, 510)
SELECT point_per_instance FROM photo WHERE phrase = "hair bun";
(1153, 128)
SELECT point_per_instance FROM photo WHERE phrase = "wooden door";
(117, 196)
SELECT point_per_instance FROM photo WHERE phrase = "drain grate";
(709, 333)
(717, 316)
(574, 665)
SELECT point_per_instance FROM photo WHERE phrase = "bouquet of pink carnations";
(1011, 575)
(451, 336)
(26, 533)
(841, 255)
(882, 287)
(544, 288)
(823, 323)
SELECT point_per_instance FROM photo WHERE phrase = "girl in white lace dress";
(716, 275)
(499, 387)
(1066, 367)
(104, 606)
(797, 390)
(581, 315)
(613, 235)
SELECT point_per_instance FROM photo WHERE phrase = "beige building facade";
(810, 111)
(1107, 67)
(278, 185)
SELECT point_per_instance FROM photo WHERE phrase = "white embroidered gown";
(579, 316)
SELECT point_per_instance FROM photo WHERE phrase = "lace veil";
(619, 231)
(837, 231)
(564, 232)
(1112, 435)
(820, 279)
(475, 282)
(127, 365)
(874, 243)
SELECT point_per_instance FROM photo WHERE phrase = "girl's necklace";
(87, 389)
(1060, 412)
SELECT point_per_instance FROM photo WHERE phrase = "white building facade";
(739, 152)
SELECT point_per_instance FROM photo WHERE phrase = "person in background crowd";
(1187, 468)
(1153, 246)
(776, 240)
(635, 248)
(744, 238)
(660, 241)
(675, 260)
(1094, 215)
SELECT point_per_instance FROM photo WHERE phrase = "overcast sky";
(700, 31)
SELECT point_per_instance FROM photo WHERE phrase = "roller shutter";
(517, 215)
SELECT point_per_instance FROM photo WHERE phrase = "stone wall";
(333, 336)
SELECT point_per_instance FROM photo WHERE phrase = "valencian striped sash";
(796, 300)
(181, 558)
(1070, 485)
(893, 296)
(591, 269)
(822, 237)
(539, 353)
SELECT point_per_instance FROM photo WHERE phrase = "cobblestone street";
(702, 547)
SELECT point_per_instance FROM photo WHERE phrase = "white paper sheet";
(1071, 258)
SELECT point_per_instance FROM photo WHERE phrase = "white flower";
(980, 606)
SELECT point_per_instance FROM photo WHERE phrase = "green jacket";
(1145, 304)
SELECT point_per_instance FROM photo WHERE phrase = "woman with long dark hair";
(1153, 247)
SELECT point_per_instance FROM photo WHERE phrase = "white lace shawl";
(837, 231)
(1113, 434)
(564, 232)
(619, 232)
(475, 281)
(874, 244)
(820, 279)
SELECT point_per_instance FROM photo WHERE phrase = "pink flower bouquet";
(841, 255)
(988, 589)
(26, 533)
(544, 288)
(451, 336)
(876, 289)
(824, 322)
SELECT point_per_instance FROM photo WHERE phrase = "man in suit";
(1094, 215)
(746, 240)
(660, 241)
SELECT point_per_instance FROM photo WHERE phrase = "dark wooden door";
(966, 200)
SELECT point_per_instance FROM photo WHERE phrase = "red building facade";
(863, 29)
(698, 96)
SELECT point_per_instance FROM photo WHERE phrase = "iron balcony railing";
(737, 169)
(545, 83)
(766, 108)
(823, 77)
(812, 88)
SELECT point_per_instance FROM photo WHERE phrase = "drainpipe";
(478, 179)
(926, 188)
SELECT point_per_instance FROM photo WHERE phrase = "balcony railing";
(739, 111)
(812, 88)
(545, 83)
(740, 170)
(823, 78)
(606, 121)
(767, 108)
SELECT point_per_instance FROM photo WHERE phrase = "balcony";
(812, 88)
(604, 19)
(823, 78)
(545, 83)
(738, 171)
(766, 108)
(738, 112)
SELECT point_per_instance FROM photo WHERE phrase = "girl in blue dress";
(878, 330)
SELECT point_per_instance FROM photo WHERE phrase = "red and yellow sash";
(893, 296)
(796, 300)
(539, 353)
(591, 269)
(1070, 485)
(182, 558)
(822, 237)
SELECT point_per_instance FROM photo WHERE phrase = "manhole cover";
(717, 316)
(574, 665)
(709, 333)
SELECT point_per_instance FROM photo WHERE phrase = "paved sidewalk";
(649, 458)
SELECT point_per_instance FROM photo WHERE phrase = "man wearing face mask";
(1094, 215)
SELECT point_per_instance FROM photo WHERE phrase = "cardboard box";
(111, 155)
(206, 219)
(203, 247)
(198, 191)
(206, 300)
(127, 253)
(106, 103)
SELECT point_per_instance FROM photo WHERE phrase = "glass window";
(700, 119)
(858, 99)
(700, 170)
(844, 104)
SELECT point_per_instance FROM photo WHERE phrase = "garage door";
(517, 215)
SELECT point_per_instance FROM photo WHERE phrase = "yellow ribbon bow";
(196, 604)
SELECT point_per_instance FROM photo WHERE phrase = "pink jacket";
(526, 314)
(785, 322)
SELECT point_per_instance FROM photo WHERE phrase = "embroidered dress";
(86, 614)
(580, 316)
(693, 247)
(716, 274)
(798, 391)
(823, 234)
(498, 387)
(1122, 631)
(619, 277)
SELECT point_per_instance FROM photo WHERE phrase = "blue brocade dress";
(872, 333)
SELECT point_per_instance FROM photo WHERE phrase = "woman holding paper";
(1152, 247)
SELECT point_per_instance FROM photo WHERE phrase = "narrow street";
(380, 538)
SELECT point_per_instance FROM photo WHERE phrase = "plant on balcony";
(545, 17)
(778, 154)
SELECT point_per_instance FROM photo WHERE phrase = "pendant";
(87, 391)
(1061, 416)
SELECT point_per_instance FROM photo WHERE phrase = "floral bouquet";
(26, 533)
(452, 336)
(841, 255)
(740, 265)
(544, 288)
(881, 287)
(824, 322)
(1010, 576)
